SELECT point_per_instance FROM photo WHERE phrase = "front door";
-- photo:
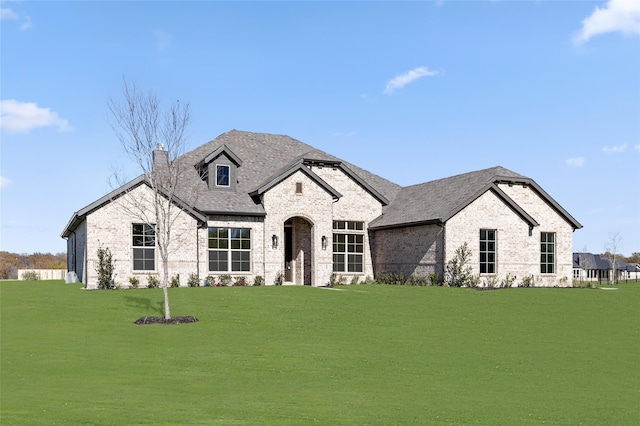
(288, 253)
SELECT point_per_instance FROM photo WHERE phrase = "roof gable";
(297, 166)
(81, 214)
(438, 201)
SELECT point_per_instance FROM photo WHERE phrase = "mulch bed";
(162, 320)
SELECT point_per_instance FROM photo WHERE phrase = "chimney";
(160, 157)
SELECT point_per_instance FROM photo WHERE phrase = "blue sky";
(412, 91)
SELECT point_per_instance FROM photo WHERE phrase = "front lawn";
(365, 354)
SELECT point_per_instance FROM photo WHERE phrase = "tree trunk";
(165, 290)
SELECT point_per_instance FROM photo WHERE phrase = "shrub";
(508, 281)
(527, 281)
(193, 280)
(417, 280)
(258, 281)
(105, 269)
(175, 281)
(391, 278)
(279, 279)
(30, 276)
(354, 280)
(333, 280)
(241, 282)
(210, 280)
(474, 281)
(134, 281)
(225, 280)
(368, 280)
(458, 269)
(434, 279)
(491, 281)
(152, 281)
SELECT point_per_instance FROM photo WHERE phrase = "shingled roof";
(438, 201)
(265, 158)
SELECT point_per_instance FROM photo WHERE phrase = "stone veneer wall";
(111, 227)
(356, 204)
(550, 221)
(414, 250)
(316, 206)
(518, 252)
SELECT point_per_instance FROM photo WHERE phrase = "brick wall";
(415, 250)
(518, 249)
(111, 227)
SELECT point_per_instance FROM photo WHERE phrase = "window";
(348, 248)
(144, 247)
(488, 251)
(229, 249)
(547, 253)
(298, 187)
(222, 175)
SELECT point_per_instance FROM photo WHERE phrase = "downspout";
(198, 251)
(444, 249)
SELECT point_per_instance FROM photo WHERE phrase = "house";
(596, 267)
(267, 205)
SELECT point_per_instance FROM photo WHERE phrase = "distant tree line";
(11, 262)
(634, 258)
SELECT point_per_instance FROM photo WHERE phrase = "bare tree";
(612, 251)
(153, 137)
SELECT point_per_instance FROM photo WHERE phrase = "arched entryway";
(298, 251)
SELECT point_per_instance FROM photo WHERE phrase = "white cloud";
(575, 162)
(9, 15)
(615, 149)
(6, 13)
(163, 40)
(616, 16)
(22, 117)
(402, 80)
(4, 182)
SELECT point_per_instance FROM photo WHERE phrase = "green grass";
(300, 355)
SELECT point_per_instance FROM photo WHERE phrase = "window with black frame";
(144, 247)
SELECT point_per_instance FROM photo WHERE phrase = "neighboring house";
(596, 267)
(265, 205)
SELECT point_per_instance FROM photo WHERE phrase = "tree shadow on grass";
(144, 303)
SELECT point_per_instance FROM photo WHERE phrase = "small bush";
(508, 281)
(491, 281)
(210, 280)
(224, 280)
(134, 282)
(152, 281)
(391, 278)
(527, 281)
(258, 281)
(474, 281)
(175, 281)
(333, 280)
(279, 279)
(193, 280)
(354, 280)
(105, 269)
(434, 279)
(30, 276)
(368, 280)
(240, 282)
(458, 270)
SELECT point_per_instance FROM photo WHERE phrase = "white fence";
(43, 274)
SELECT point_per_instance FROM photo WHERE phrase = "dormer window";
(222, 175)
(219, 169)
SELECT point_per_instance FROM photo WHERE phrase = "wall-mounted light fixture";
(274, 241)
(324, 242)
